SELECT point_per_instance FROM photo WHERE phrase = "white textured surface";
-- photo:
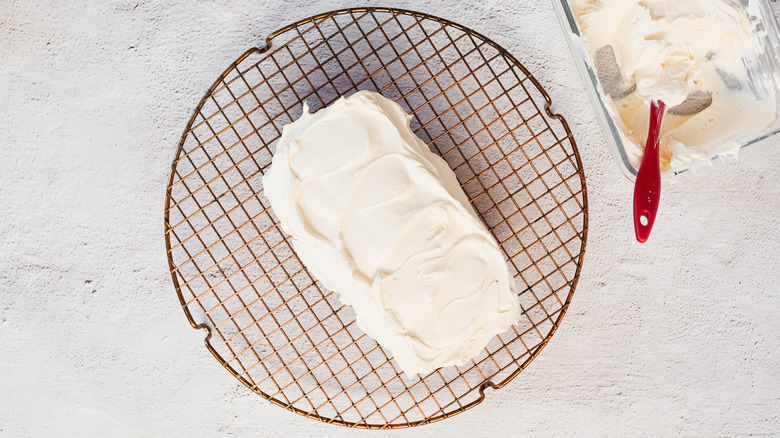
(679, 336)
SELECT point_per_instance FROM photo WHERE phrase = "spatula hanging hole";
(644, 219)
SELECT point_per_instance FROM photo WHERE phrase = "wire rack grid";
(269, 322)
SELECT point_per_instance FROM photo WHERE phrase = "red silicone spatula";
(647, 188)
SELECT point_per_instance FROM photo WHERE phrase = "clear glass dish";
(758, 11)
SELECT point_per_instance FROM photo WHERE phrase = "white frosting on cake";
(380, 219)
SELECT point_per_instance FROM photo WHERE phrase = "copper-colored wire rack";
(270, 322)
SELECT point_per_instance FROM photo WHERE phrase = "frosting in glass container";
(699, 54)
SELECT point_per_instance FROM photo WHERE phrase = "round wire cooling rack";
(269, 321)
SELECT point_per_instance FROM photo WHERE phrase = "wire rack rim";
(268, 46)
(395, 12)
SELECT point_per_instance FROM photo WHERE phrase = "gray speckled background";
(677, 337)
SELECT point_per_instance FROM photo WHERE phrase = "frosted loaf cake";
(380, 219)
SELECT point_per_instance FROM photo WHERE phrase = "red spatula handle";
(647, 189)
